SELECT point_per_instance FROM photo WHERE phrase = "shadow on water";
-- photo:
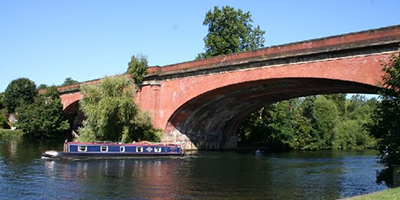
(19, 150)
(201, 175)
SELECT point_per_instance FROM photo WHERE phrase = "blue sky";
(50, 40)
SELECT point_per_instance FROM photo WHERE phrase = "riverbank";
(8, 133)
(389, 194)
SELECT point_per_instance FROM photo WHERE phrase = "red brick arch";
(202, 102)
(209, 108)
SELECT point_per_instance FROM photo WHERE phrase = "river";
(201, 175)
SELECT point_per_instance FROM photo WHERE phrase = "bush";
(43, 118)
(8, 133)
(18, 92)
(112, 115)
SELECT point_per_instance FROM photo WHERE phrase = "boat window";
(157, 149)
(139, 149)
(82, 148)
(104, 148)
(122, 149)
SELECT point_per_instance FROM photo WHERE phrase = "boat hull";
(73, 150)
(66, 155)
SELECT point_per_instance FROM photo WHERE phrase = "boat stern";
(51, 154)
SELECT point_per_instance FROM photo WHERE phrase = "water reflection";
(125, 179)
(22, 151)
(205, 175)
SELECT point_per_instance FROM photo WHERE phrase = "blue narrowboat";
(114, 150)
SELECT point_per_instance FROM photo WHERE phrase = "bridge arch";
(74, 116)
(183, 98)
(205, 111)
(211, 120)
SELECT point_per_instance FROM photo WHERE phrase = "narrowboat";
(114, 150)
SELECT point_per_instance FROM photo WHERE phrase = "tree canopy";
(42, 118)
(137, 68)
(111, 114)
(386, 120)
(311, 123)
(19, 91)
(230, 31)
(2, 106)
(69, 81)
(42, 87)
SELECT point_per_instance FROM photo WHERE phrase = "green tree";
(340, 102)
(137, 68)
(351, 134)
(278, 124)
(19, 91)
(69, 81)
(3, 118)
(326, 116)
(311, 123)
(42, 87)
(353, 104)
(2, 104)
(42, 118)
(270, 125)
(111, 113)
(385, 123)
(314, 120)
(305, 136)
(230, 31)
(3, 121)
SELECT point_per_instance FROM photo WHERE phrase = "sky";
(48, 41)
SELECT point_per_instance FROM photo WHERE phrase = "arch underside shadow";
(211, 120)
(74, 116)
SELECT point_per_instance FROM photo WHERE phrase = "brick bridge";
(202, 103)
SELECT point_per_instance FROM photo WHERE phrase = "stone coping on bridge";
(373, 37)
(75, 87)
(349, 41)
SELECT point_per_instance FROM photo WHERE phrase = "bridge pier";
(175, 137)
(201, 141)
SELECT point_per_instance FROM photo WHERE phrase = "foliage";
(304, 135)
(19, 91)
(339, 100)
(271, 125)
(111, 113)
(3, 118)
(8, 133)
(3, 121)
(350, 134)
(137, 68)
(385, 123)
(69, 81)
(42, 87)
(43, 117)
(230, 31)
(2, 95)
(312, 123)
(326, 117)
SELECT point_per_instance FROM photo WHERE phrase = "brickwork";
(201, 103)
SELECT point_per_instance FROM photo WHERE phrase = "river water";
(201, 175)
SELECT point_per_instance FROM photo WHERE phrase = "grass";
(8, 133)
(389, 194)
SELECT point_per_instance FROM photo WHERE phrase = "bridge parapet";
(366, 40)
(388, 36)
(202, 102)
